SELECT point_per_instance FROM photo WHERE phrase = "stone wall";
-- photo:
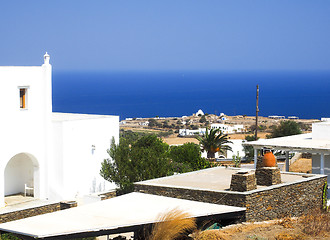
(267, 176)
(243, 181)
(34, 211)
(277, 201)
(108, 195)
(218, 197)
(293, 199)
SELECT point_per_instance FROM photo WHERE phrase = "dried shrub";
(255, 237)
(210, 235)
(172, 225)
(286, 222)
(288, 236)
(316, 223)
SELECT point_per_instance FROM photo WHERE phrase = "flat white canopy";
(120, 214)
(301, 142)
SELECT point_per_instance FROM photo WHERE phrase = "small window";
(22, 97)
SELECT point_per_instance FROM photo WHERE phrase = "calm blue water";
(148, 94)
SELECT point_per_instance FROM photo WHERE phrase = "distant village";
(197, 123)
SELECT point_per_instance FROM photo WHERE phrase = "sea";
(135, 94)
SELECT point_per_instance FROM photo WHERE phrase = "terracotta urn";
(269, 160)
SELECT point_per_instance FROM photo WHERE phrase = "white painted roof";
(300, 142)
(56, 116)
(128, 210)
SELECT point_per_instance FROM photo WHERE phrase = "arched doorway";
(22, 169)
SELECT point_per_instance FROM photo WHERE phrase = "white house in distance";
(57, 155)
(227, 129)
(188, 132)
(237, 150)
(200, 113)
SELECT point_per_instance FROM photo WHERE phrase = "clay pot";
(269, 160)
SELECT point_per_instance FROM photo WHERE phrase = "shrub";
(210, 235)
(316, 223)
(172, 225)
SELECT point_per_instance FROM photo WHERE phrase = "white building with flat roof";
(54, 155)
(226, 129)
(187, 132)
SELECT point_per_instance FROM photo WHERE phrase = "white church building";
(54, 155)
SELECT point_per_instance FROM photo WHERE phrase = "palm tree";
(214, 141)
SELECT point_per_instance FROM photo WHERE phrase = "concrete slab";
(17, 199)
(217, 178)
(115, 215)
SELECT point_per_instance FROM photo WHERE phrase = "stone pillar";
(322, 164)
(243, 181)
(268, 176)
(287, 161)
(255, 157)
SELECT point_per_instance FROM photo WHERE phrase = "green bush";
(190, 155)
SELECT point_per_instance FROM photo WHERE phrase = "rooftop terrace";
(297, 194)
(216, 179)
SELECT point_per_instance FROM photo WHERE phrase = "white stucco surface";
(127, 210)
(237, 149)
(84, 143)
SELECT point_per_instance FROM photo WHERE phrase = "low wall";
(286, 199)
(217, 197)
(34, 211)
(108, 195)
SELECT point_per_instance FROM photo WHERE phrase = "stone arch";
(21, 169)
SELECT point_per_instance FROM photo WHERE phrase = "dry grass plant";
(245, 227)
(174, 224)
(316, 223)
(289, 236)
(210, 235)
(286, 222)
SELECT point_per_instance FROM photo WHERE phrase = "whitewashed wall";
(54, 157)
(321, 131)
(25, 130)
(236, 147)
(77, 173)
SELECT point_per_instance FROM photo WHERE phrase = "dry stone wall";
(277, 201)
(34, 211)
(217, 197)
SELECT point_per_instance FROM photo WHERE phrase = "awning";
(126, 213)
(299, 143)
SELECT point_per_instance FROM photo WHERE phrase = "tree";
(144, 159)
(214, 141)
(202, 119)
(152, 122)
(189, 157)
(130, 136)
(286, 128)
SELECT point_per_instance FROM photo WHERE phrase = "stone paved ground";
(19, 202)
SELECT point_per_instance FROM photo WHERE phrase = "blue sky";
(167, 35)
